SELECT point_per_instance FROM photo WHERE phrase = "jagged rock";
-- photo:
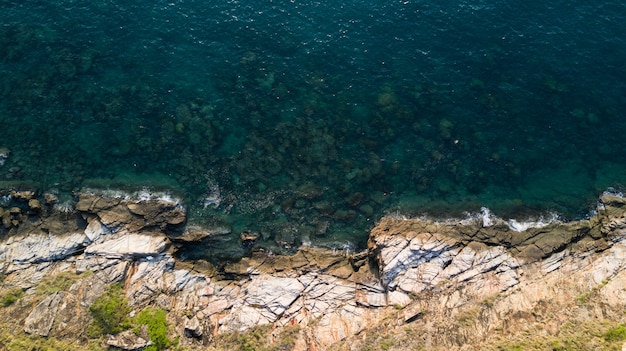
(95, 229)
(35, 248)
(129, 246)
(457, 284)
(128, 340)
(158, 212)
(40, 320)
(23, 194)
(272, 296)
(118, 217)
(193, 328)
(34, 205)
(50, 199)
(132, 214)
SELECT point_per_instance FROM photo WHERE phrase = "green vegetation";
(9, 297)
(573, 336)
(59, 282)
(154, 319)
(582, 299)
(617, 333)
(261, 338)
(467, 317)
(110, 312)
(20, 341)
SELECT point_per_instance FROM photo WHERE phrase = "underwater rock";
(248, 237)
(50, 199)
(34, 205)
(4, 155)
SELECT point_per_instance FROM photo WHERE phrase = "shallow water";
(306, 120)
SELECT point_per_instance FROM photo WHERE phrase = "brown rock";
(34, 205)
(94, 203)
(50, 199)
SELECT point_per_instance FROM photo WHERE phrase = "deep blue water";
(307, 119)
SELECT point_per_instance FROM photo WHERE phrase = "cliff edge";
(472, 284)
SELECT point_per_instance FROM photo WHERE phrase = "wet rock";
(119, 216)
(130, 213)
(50, 199)
(34, 205)
(309, 191)
(196, 234)
(249, 238)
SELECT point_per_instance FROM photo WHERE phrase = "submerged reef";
(304, 151)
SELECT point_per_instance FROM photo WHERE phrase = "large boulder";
(41, 318)
(118, 211)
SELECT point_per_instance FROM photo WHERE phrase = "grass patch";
(617, 333)
(110, 313)
(261, 338)
(11, 341)
(9, 297)
(154, 319)
(59, 282)
(573, 336)
(582, 299)
(467, 317)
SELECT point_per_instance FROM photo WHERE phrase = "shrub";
(617, 333)
(154, 319)
(110, 312)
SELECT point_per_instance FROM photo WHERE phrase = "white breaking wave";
(487, 219)
(528, 224)
(144, 194)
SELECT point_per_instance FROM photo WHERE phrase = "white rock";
(41, 248)
(41, 318)
(95, 229)
(273, 295)
(133, 245)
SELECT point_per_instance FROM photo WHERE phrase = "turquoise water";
(307, 120)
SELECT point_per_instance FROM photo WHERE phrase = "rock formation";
(422, 284)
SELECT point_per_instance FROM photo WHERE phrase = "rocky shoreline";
(422, 283)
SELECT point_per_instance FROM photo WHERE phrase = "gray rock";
(36, 248)
(130, 246)
(41, 318)
(128, 340)
(193, 328)
(273, 295)
(95, 229)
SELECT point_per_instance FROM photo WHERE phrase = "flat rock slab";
(40, 320)
(132, 245)
(35, 248)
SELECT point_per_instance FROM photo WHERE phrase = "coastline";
(461, 283)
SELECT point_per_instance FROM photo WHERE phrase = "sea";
(307, 121)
